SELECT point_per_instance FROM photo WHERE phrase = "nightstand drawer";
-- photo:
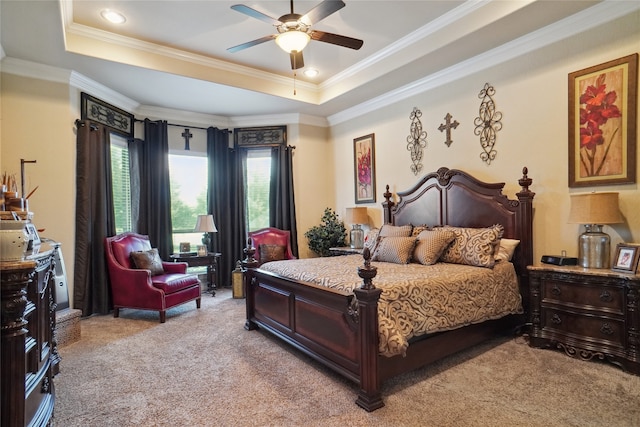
(602, 298)
(588, 328)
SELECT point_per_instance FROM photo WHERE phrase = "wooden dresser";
(587, 313)
(29, 353)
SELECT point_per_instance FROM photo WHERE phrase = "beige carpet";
(201, 368)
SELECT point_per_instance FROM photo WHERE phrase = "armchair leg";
(163, 316)
(116, 312)
(198, 302)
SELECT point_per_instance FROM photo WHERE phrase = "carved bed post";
(248, 264)
(369, 396)
(387, 205)
(525, 196)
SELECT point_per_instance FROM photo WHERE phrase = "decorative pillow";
(148, 260)
(395, 230)
(473, 246)
(431, 244)
(272, 252)
(371, 238)
(394, 249)
(417, 229)
(506, 250)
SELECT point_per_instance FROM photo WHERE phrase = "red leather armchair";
(271, 236)
(137, 288)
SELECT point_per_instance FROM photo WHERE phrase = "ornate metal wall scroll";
(260, 136)
(487, 123)
(95, 109)
(416, 141)
(448, 125)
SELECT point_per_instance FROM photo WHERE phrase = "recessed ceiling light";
(113, 16)
(311, 72)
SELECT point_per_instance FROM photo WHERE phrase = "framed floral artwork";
(602, 123)
(364, 168)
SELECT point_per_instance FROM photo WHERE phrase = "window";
(188, 179)
(257, 191)
(120, 183)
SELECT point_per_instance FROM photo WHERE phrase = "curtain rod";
(186, 126)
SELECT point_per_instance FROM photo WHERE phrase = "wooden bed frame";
(329, 326)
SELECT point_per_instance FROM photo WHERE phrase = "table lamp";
(205, 224)
(593, 210)
(356, 217)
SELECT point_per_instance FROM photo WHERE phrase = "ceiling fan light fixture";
(292, 40)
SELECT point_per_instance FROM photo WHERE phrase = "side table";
(588, 313)
(210, 261)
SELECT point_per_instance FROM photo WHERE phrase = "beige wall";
(38, 124)
(531, 93)
(313, 179)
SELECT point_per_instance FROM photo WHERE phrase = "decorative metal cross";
(186, 134)
(448, 126)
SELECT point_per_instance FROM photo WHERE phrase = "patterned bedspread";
(417, 299)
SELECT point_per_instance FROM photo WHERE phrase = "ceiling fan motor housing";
(291, 22)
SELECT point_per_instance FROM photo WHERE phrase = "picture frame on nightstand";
(626, 258)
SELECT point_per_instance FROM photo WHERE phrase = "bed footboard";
(331, 326)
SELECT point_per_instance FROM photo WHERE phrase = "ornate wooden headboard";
(453, 197)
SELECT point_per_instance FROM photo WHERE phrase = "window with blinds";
(120, 183)
(257, 190)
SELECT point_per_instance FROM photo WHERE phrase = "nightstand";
(587, 313)
(345, 250)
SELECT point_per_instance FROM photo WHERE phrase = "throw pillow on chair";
(148, 260)
(272, 253)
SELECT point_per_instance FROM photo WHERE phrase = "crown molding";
(79, 81)
(406, 42)
(585, 20)
(278, 119)
(35, 70)
(101, 91)
(113, 47)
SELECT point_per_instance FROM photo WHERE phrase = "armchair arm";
(132, 287)
(175, 267)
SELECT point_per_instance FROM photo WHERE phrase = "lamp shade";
(595, 208)
(357, 216)
(292, 40)
(205, 224)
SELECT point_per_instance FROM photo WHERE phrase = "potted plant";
(330, 233)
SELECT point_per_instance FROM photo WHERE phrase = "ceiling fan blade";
(321, 11)
(251, 43)
(339, 40)
(296, 60)
(255, 14)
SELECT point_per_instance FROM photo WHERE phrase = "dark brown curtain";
(95, 219)
(282, 206)
(226, 202)
(154, 201)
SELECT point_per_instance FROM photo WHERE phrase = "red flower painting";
(597, 107)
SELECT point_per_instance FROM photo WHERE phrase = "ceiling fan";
(294, 30)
